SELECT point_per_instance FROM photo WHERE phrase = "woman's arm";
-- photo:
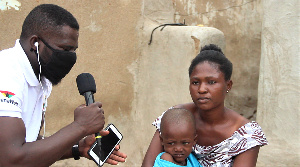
(247, 158)
(154, 149)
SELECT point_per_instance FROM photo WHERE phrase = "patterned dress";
(222, 154)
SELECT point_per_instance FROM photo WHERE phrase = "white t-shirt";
(21, 94)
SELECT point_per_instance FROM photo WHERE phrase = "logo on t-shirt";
(7, 95)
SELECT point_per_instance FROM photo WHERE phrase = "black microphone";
(87, 87)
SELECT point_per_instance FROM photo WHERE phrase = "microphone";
(87, 87)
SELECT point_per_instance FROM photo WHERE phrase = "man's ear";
(33, 40)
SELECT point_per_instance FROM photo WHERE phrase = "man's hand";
(86, 143)
(116, 156)
(90, 118)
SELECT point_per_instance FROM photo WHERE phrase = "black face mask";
(59, 65)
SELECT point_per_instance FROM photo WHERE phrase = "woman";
(225, 138)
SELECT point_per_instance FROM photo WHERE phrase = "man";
(43, 56)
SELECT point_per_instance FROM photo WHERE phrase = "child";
(178, 136)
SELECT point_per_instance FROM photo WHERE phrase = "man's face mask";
(59, 65)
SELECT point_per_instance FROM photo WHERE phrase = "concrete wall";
(136, 81)
(279, 90)
(240, 21)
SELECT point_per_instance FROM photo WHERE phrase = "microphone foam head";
(86, 83)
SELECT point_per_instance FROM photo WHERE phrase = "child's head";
(178, 133)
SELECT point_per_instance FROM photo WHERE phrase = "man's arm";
(14, 151)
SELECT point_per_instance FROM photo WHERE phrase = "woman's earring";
(227, 91)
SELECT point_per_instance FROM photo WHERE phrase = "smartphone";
(108, 144)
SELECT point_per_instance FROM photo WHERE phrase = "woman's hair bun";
(211, 47)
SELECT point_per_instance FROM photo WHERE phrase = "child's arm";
(167, 157)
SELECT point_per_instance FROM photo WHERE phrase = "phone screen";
(108, 143)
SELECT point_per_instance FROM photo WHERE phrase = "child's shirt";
(191, 162)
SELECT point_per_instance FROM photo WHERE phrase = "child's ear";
(195, 139)
(161, 140)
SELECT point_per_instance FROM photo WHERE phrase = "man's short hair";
(47, 18)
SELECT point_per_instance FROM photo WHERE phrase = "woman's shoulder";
(188, 106)
(237, 120)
